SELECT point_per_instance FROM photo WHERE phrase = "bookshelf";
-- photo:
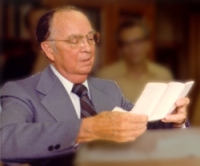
(104, 14)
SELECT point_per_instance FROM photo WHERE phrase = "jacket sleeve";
(22, 138)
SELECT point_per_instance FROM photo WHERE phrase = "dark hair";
(43, 26)
(129, 23)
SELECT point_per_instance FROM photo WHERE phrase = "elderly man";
(47, 115)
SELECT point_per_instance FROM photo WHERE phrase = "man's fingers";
(116, 126)
(180, 114)
(128, 121)
(128, 116)
(182, 102)
(124, 136)
(129, 126)
(176, 118)
(138, 118)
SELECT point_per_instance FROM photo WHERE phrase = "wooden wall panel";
(194, 67)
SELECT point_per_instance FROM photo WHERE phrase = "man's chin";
(85, 70)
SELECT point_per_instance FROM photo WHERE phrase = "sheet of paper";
(149, 98)
(119, 109)
(184, 93)
(167, 101)
(158, 99)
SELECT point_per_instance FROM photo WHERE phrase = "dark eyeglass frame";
(74, 40)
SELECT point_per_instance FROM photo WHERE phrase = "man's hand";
(178, 117)
(113, 126)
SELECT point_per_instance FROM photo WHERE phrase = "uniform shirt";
(132, 85)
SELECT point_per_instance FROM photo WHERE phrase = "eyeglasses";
(133, 42)
(77, 40)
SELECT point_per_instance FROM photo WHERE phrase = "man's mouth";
(86, 62)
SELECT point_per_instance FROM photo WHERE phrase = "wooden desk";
(156, 148)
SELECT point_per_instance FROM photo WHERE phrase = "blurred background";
(174, 36)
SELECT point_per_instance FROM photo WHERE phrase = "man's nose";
(85, 45)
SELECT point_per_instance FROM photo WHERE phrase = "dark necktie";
(87, 108)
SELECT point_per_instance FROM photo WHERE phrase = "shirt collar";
(66, 83)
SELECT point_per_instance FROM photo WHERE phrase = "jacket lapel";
(56, 100)
(100, 101)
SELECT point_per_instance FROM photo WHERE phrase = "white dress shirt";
(68, 87)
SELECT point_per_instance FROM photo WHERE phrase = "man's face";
(70, 59)
(135, 46)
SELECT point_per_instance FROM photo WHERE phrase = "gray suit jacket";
(38, 115)
(38, 119)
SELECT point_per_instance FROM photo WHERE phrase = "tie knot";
(80, 90)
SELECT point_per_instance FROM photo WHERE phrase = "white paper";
(158, 99)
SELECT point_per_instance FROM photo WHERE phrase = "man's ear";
(48, 50)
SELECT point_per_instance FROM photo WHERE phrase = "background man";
(134, 70)
(48, 114)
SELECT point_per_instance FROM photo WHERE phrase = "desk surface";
(163, 148)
